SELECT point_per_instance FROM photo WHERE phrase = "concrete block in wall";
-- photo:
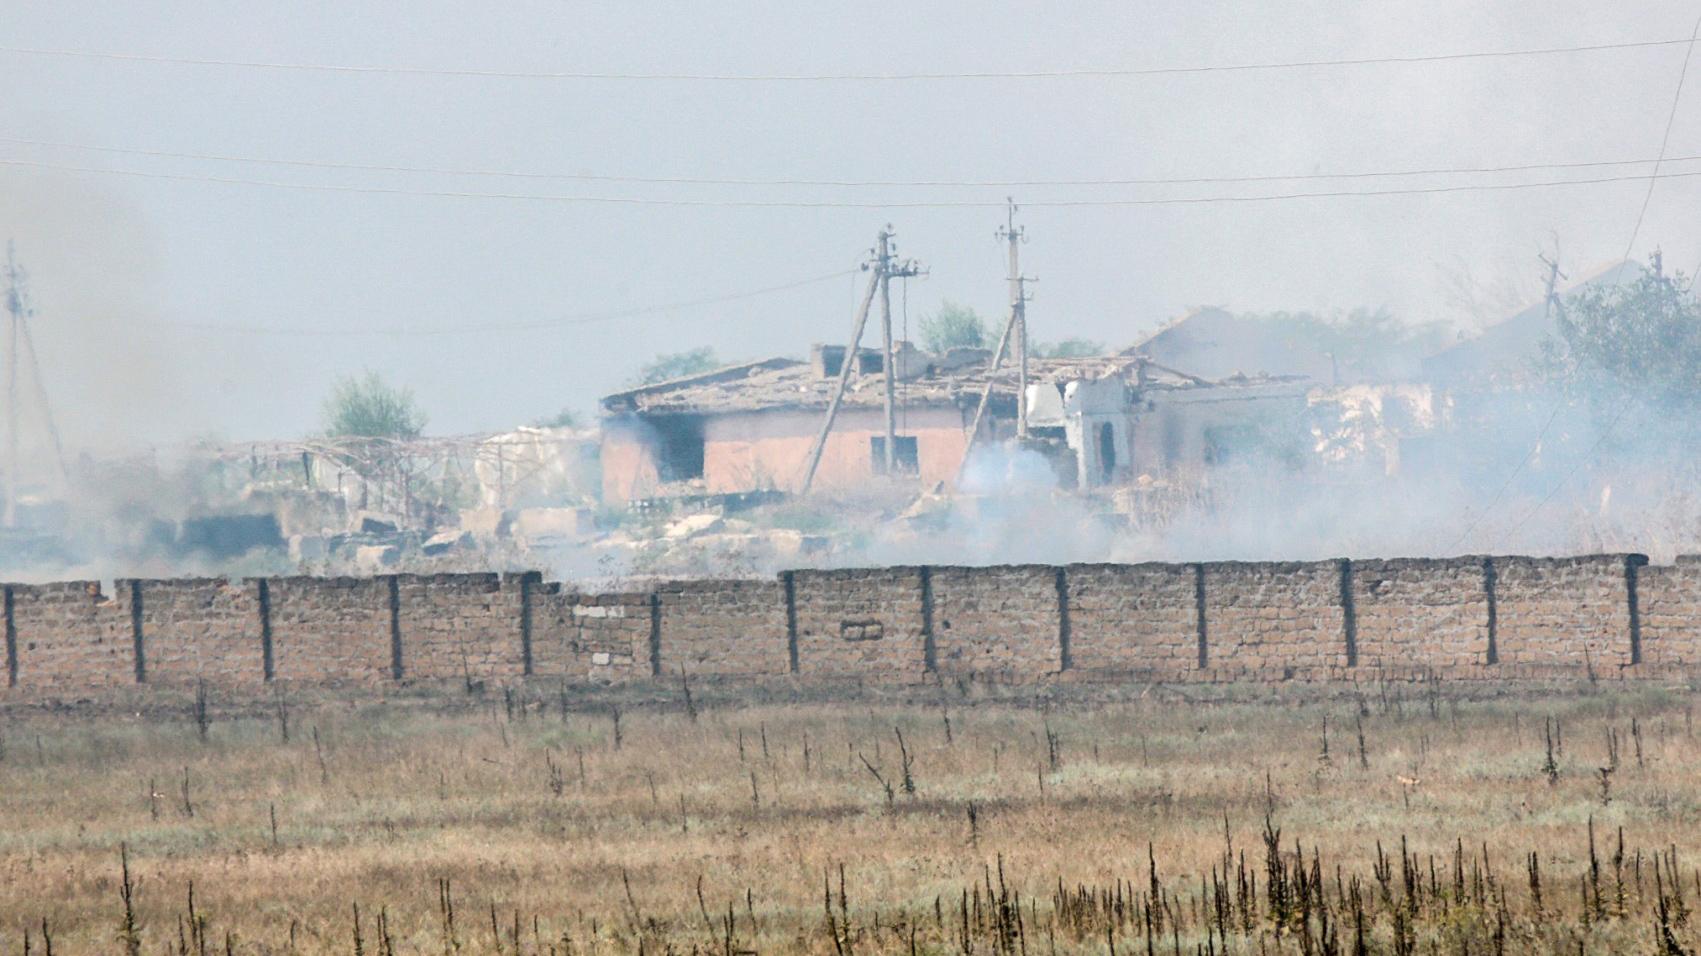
(864, 622)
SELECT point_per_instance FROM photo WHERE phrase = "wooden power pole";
(1015, 330)
(1550, 303)
(883, 269)
(1015, 235)
(844, 379)
(14, 323)
(18, 338)
(886, 268)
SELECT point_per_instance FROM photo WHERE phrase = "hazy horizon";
(121, 263)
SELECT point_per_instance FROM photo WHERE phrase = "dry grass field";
(1388, 819)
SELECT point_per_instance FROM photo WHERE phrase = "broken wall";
(744, 451)
(69, 637)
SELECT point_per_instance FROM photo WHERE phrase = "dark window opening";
(1229, 442)
(832, 360)
(1107, 451)
(904, 455)
(1243, 444)
(868, 361)
(1171, 441)
(679, 448)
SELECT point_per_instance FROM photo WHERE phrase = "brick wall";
(723, 627)
(614, 635)
(1417, 616)
(331, 630)
(864, 623)
(70, 638)
(461, 626)
(998, 621)
(1669, 601)
(554, 634)
(591, 636)
(1134, 620)
(202, 629)
(1561, 615)
(1275, 620)
(1483, 618)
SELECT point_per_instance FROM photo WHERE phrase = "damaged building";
(751, 427)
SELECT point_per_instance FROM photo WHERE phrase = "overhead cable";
(1086, 72)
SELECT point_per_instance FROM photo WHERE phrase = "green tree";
(953, 326)
(670, 365)
(1371, 343)
(366, 406)
(1637, 340)
(566, 418)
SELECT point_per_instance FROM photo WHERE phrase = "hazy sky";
(120, 263)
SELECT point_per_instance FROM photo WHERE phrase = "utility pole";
(1553, 276)
(886, 267)
(14, 313)
(18, 313)
(1015, 235)
(1013, 338)
(844, 380)
(986, 394)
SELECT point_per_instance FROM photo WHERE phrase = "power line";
(842, 204)
(1665, 138)
(848, 183)
(1102, 72)
(584, 318)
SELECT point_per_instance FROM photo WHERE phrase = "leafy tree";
(953, 326)
(670, 365)
(566, 418)
(1367, 343)
(366, 406)
(1068, 348)
(1638, 340)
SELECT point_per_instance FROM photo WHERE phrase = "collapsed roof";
(954, 379)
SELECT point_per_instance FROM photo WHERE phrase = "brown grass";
(1174, 820)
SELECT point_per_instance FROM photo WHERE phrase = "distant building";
(1102, 421)
(1214, 343)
